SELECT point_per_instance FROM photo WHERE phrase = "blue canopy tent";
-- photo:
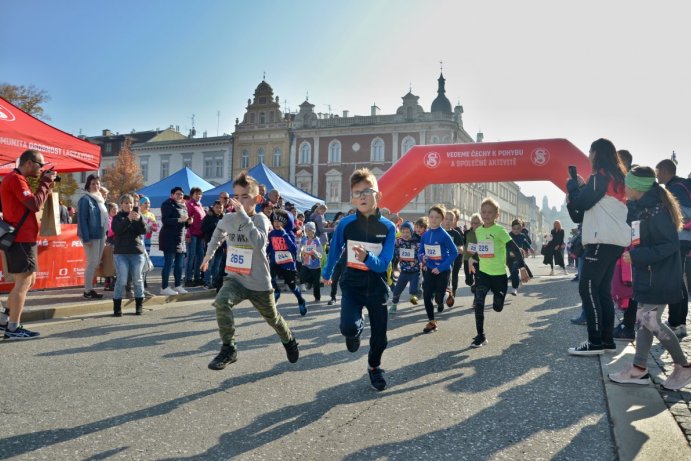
(302, 200)
(211, 195)
(185, 178)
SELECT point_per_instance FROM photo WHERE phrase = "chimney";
(345, 113)
(375, 110)
(106, 133)
(479, 137)
(177, 128)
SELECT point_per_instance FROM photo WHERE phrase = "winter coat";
(656, 260)
(128, 234)
(171, 239)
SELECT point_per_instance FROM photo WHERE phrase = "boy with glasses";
(368, 240)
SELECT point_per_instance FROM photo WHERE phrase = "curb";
(39, 313)
(642, 426)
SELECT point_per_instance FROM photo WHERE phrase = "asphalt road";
(139, 387)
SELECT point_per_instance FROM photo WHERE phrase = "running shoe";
(376, 378)
(478, 341)
(621, 333)
(413, 299)
(227, 356)
(631, 375)
(430, 327)
(92, 295)
(292, 350)
(352, 344)
(180, 290)
(168, 291)
(331, 302)
(392, 308)
(586, 348)
(303, 308)
(20, 333)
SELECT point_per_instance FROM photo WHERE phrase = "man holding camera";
(19, 203)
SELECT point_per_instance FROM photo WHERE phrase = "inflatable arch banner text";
(533, 160)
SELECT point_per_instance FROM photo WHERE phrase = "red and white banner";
(20, 131)
(61, 262)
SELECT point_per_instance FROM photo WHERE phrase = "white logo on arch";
(540, 156)
(432, 160)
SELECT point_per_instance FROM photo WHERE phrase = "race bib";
(635, 233)
(433, 252)
(472, 247)
(374, 248)
(406, 254)
(239, 260)
(306, 253)
(485, 248)
(283, 257)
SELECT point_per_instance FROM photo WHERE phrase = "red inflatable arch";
(533, 160)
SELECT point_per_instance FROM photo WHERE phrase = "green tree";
(124, 176)
(28, 98)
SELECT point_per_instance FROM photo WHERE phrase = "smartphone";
(136, 209)
(573, 172)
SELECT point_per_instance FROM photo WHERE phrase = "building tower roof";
(441, 103)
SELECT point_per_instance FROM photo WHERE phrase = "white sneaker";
(514, 291)
(167, 291)
(180, 290)
(631, 375)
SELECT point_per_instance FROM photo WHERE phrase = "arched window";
(262, 118)
(435, 140)
(245, 162)
(271, 117)
(377, 154)
(276, 161)
(305, 153)
(260, 155)
(335, 151)
(407, 144)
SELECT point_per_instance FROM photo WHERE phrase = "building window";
(252, 118)
(305, 153)
(276, 162)
(333, 187)
(434, 140)
(109, 147)
(187, 161)
(406, 145)
(260, 155)
(335, 151)
(82, 177)
(445, 140)
(377, 150)
(245, 161)
(305, 184)
(165, 167)
(262, 118)
(271, 117)
(208, 167)
(219, 165)
(144, 167)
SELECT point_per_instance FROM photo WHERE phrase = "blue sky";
(522, 70)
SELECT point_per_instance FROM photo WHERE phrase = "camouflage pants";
(233, 292)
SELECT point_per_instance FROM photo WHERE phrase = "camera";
(573, 173)
(57, 179)
(136, 209)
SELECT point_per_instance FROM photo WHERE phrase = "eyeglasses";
(39, 163)
(363, 193)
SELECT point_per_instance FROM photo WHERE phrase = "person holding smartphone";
(128, 227)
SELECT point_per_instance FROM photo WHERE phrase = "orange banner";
(533, 160)
(61, 262)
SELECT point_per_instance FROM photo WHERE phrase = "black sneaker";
(92, 295)
(609, 347)
(20, 333)
(189, 284)
(478, 341)
(376, 378)
(621, 333)
(353, 344)
(227, 356)
(3, 326)
(587, 348)
(292, 351)
(303, 308)
(440, 307)
(331, 302)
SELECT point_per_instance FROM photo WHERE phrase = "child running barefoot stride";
(368, 241)
(437, 253)
(655, 259)
(246, 234)
(492, 244)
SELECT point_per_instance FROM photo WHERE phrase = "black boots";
(138, 302)
(117, 307)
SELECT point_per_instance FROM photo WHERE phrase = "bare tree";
(28, 98)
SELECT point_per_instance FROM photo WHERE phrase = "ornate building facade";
(263, 135)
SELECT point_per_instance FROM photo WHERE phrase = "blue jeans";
(214, 266)
(352, 323)
(403, 279)
(195, 254)
(125, 266)
(175, 261)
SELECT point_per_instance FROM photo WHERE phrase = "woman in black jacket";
(128, 250)
(655, 259)
(171, 240)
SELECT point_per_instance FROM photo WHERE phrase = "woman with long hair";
(654, 257)
(601, 206)
(92, 225)
(558, 246)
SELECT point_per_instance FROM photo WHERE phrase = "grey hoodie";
(243, 231)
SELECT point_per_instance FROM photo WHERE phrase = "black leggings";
(433, 286)
(457, 264)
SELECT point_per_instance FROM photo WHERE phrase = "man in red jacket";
(19, 201)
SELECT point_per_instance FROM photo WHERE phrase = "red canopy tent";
(60, 258)
(20, 131)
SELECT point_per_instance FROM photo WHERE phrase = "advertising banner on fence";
(61, 262)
